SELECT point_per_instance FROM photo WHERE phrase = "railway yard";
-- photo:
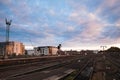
(59, 39)
(77, 67)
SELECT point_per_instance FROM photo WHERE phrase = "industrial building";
(46, 50)
(31, 52)
(12, 48)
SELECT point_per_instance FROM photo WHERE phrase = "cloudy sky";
(76, 24)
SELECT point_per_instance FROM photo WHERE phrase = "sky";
(76, 24)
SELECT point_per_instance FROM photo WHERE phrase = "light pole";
(8, 23)
(103, 48)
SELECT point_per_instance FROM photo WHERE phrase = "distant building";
(71, 52)
(46, 50)
(87, 52)
(30, 52)
(95, 51)
(12, 48)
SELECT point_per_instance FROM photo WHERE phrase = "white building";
(30, 52)
(46, 50)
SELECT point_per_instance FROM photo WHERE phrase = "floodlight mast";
(8, 23)
(103, 48)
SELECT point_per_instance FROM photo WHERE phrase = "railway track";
(38, 69)
(36, 63)
(17, 61)
(84, 72)
(13, 67)
(114, 61)
(116, 74)
(57, 64)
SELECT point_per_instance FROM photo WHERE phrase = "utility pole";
(8, 23)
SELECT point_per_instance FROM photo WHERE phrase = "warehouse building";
(46, 50)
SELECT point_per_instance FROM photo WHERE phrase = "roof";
(46, 46)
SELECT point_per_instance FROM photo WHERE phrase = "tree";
(113, 49)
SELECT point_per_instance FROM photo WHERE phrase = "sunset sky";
(76, 24)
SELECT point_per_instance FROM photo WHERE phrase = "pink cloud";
(52, 12)
(92, 30)
(110, 3)
(70, 28)
(6, 1)
(113, 5)
(93, 23)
